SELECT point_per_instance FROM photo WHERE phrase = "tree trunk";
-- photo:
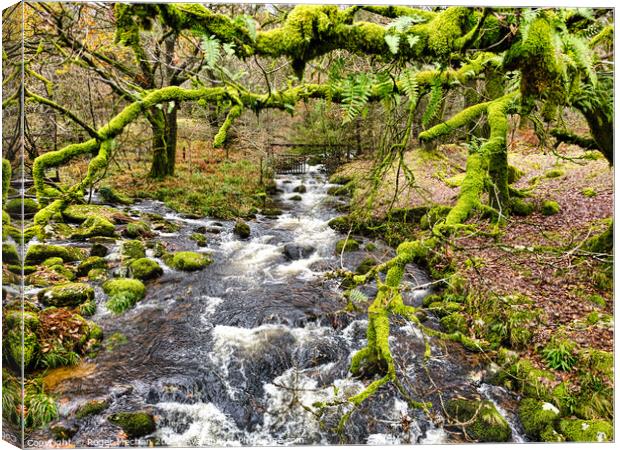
(171, 139)
(159, 166)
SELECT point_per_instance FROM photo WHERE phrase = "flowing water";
(238, 353)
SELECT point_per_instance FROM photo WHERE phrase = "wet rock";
(68, 294)
(134, 424)
(63, 431)
(484, 422)
(187, 261)
(92, 262)
(271, 212)
(301, 189)
(79, 213)
(145, 269)
(214, 230)
(365, 265)
(242, 229)
(38, 253)
(199, 238)
(201, 229)
(99, 250)
(296, 198)
(297, 251)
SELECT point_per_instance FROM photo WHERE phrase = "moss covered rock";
(79, 213)
(520, 207)
(487, 424)
(68, 294)
(536, 417)
(242, 229)
(12, 326)
(134, 424)
(523, 377)
(295, 198)
(91, 407)
(94, 226)
(366, 264)
(53, 261)
(92, 262)
(550, 207)
(37, 253)
(271, 212)
(123, 293)
(14, 207)
(131, 250)
(138, 229)
(301, 189)
(199, 238)
(586, 430)
(9, 254)
(347, 245)
(98, 250)
(187, 261)
(554, 173)
(145, 269)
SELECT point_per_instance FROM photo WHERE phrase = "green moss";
(123, 293)
(92, 262)
(520, 207)
(134, 424)
(115, 340)
(550, 207)
(536, 416)
(296, 198)
(365, 265)
(6, 178)
(587, 430)
(370, 247)
(340, 179)
(484, 422)
(38, 253)
(554, 173)
(453, 323)
(9, 254)
(132, 250)
(137, 230)
(443, 309)
(68, 294)
(199, 238)
(523, 377)
(91, 407)
(241, 229)
(514, 174)
(97, 274)
(456, 180)
(187, 261)
(588, 192)
(145, 269)
(64, 271)
(53, 261)
(14, 206)
(80, 213)
(271, 212)
(434, 215)
(94, 226)
(6, 219)
(110, 195)
(347, 245)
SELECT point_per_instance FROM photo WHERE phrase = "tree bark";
(159, 165)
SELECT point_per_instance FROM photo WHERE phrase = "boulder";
(145, 269)
(296, 251)
(67, 294)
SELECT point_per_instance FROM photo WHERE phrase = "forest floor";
(539, 257)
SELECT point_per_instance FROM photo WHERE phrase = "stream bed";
(237, 353)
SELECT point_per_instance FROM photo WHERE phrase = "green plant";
(120, 302)
(559, 355)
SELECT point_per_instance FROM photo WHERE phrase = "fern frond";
(434, 102)
(211, 50)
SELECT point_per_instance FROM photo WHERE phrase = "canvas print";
(283, 224)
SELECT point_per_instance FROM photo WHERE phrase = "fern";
(384, 85)
(357, 296)
(249, 23)
(401, 23)
(356, 91)
(211, 50)
(393, 41)
(434, 102)
(409, 84)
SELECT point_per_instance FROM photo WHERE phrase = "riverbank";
(537, 289)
